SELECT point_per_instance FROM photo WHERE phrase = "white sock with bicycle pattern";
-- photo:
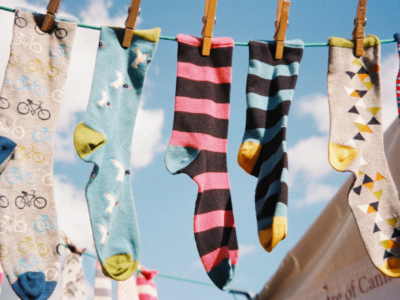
(29, 108)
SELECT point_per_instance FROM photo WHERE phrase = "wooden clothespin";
(130, 23)
(52, 9)
(359, 27)
(208, 27)
(281, 24)
(70, 245)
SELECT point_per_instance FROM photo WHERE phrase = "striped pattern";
(102, 285)
(1, 277)
(146, 287)
(397, 37)
(127, 290)
(198, 147)
(263, 153)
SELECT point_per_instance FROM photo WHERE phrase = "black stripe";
(219, 93)
(210, 240)
(219, 57)
(206, 161)
(102, 292)
(269, 88)
(276, 173)
(258, 118)
(266, 54)
(212, 200)
(201, 123)
(269, 207)
(268, 150)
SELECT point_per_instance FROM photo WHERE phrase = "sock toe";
(33, 286)
(120, 267)
(223, 274)
(272, 235)
(248, 155)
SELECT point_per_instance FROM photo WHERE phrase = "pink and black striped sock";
(397, 38)
(198, 148)
(146, 287)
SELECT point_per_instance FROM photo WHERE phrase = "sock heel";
(87, 140)
(177, 158)
(7, 148)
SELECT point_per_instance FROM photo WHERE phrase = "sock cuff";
(222, 42)
(57, 18)
(150, 35)
(369, 41)
(297, 43)
(397, 36)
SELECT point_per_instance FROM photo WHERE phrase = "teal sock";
(104, 138)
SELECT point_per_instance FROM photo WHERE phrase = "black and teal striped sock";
(270, 89)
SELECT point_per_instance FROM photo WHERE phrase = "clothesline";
(170, 38)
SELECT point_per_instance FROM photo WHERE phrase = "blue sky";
(165, 203)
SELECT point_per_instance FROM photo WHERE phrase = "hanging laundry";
(356, 145)
(1, 277)
(397, 38)
(198, 147)
(104, 138)
(146, 286)
(34, 74)
(127, 290)
(73, 278)
(263, 153)
(102, 285)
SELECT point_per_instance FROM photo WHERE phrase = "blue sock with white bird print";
(104, 138)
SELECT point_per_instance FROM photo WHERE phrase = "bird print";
(112, 202)
(121, 170)
(104, 100)
(104, 233)
(140, 58)
(119, 82)
(102, 45)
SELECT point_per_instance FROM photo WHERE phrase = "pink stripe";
(143, 281)
(202, 106)
(212, 181)
(213, 259)
(214, 75)
(197, 42)
(1, 278)
(198, 141)
(146, 297)
(217, 218)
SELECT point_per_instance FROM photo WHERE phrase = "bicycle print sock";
(28, 222)
(356, 145)
(198, 148)
(263, 153)
(73, 278)
(104, 137)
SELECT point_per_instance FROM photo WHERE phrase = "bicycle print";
(4, 103)
(19, 21)
(40, 136)
(27, 199)
(4, 201)
(11, 224)
(57, 95)
(4, 251)
(60, 51)
(60, 33)
(19, 176)
(38, 65)
(29, 244)
(48, 179)
(27, 41)
(47, 222)
(24, 108)
(52, 273)
(21, 154)
(23, 266)
(29, 85)
(14, 61)
(10, 124)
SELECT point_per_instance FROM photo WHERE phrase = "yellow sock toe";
(120, 267)
(391, 267)
(271, 236)
(248, 155)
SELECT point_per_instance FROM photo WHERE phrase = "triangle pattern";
(396, 233)
(355, 94)
(367, 179)
(362, 76)
(378, 218)
(360, 127)
(374, 206)
(374, 110)
(360, 120)
(379, 176)
(354, 110)
(361, 93)
(366, 129)
(376, 228)
(351, 74)
(368, 85)
(364, 208)
(387, 255)
(362, 71)
(349, 91)
(392, 221)
(357, 62)
(359, 137)
(375, 69)
(360, 173)
(378, 194)
(357, 190)
(351, 144)
(361, 103)
(389, 244)
(383, 237)
(374, 121)
(362, 161)
(369, 186)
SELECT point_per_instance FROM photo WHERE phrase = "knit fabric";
(356, 145)
(104, 138)
(198, 147)
(397, 38)
(263, 153)
(73, 278)
(29, 110)
(146, 287)
(102, 285)
(127, 290)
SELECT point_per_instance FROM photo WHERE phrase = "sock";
(397, 38)
(198, 148)
(127, 290)
(263, 153)
(146, 287)
(29, 257)
(102, 285)
(104, 137)
(356, 145)
(73, 278)
(1, 277)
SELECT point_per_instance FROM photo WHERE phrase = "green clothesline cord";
(170, 38)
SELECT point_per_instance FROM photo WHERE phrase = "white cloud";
(318, 108)
(317, 193)
(245, 250)
(389, 70)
